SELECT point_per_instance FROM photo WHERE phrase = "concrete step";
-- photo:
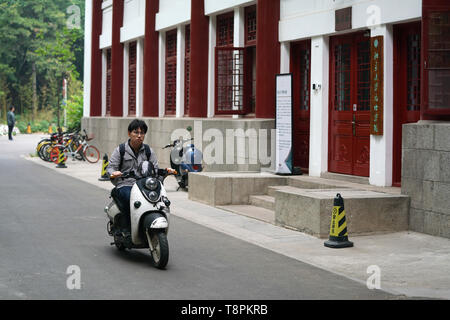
(263, 201)
(345, 177)
(254, 212)
(272, 189)
(307, 182)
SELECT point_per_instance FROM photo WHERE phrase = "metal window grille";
(250, 25)
(132, 79)
(342, 77)
(305, 72)
(364, 75)
(225, 30)
(171, 72)
(438, 60)
(108, 81)
(413, 63)
(187, 68)
(230, 80)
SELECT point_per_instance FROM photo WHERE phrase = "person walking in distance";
(11, 121)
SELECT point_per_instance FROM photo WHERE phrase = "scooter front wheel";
(160, 253)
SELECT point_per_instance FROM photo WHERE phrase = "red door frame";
(402, 78)
(301, 123)
(352, 128)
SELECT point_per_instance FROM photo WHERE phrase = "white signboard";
(284, 161)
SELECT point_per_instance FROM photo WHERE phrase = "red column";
(198, 83)
(117, 61)
(151, 58)
(267, 56)
(96, 60)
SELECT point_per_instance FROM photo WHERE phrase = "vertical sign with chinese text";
(377, 86)
(284, 164)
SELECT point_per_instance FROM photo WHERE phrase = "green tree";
(30, 57)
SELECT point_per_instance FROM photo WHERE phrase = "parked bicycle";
(76, 147)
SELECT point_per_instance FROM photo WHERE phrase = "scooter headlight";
(153, 196)
(151, 184)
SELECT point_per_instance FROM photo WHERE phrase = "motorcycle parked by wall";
(184, 160)
(149, 215)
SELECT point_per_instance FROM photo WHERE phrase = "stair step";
(263, 201)
(272, 189)
(250, 211)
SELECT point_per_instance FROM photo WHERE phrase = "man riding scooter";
(128, 157)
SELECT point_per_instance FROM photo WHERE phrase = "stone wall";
(110, 132)
(426, 176)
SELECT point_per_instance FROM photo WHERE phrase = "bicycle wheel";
(91, 154)
(40, 148)
(44, 153)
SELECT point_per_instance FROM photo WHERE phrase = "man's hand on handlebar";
(116, 174)
(171, 171)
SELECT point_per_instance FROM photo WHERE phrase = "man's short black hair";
(137, 124)
(11, 107)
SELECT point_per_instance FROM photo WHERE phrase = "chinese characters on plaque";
(376, 86)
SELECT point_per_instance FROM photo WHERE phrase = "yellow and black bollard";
(104, 174)
(61, 160)
(338, 229)
(29, 128)
(50, 129)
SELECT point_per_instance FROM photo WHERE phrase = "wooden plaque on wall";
(376, 85)
(343, 20)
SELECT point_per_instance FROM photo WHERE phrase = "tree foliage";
(37, 44)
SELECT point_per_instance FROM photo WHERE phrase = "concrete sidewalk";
(411, 264)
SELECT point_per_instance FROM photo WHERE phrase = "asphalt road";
(51, 221)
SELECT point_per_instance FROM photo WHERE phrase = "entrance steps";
(303, 203)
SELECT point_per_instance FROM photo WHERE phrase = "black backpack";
(122, 153)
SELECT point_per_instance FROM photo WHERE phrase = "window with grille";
(436, 19)
(230, 80)
(342, 77)
(305, 76)
(171, 72)
(225, 30)
(132, 79)
(250, 25)
(364, 75)
(108, 82)
(187, 68)
(413, 67)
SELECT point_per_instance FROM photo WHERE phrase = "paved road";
(51, 221)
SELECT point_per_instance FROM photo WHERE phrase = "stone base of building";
(426, 176)
(227, 144)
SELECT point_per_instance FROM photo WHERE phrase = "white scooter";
(149, 215)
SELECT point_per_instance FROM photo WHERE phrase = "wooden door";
(407, 62)
(349, 139)
(301, 72)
